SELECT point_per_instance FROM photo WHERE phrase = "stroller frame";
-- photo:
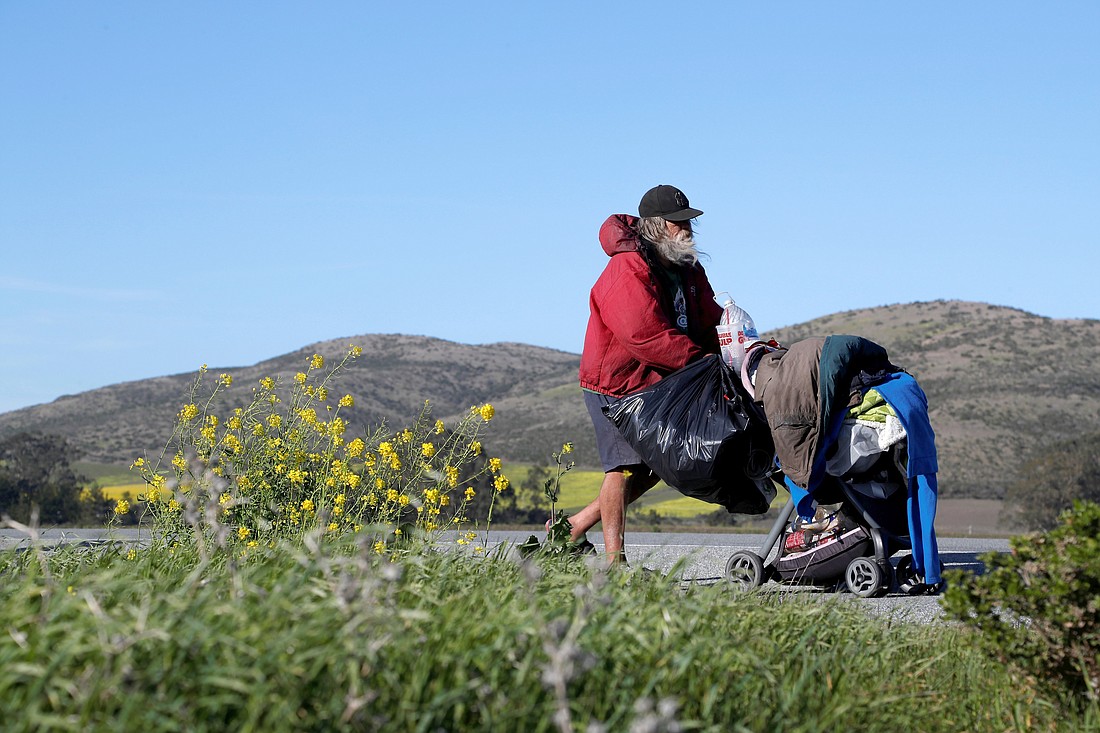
(869, 575)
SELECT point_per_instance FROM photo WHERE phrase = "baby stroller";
(866, 499)
(860, 523)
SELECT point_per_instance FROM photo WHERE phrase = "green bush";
(1038, 607)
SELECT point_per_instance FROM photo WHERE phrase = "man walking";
(652, 312)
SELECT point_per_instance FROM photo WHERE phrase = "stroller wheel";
(745, 569)
(865, 578)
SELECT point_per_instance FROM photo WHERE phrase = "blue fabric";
(910, 404)
(905, 396)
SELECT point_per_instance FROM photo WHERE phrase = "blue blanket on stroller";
(907, 399)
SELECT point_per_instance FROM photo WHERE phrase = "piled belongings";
(835, 406)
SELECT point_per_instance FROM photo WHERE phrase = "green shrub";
(1038, 607)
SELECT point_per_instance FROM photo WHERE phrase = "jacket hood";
(618, 235)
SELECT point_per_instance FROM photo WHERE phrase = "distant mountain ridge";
(1001, 384)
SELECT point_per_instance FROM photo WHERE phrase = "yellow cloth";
(873, 408)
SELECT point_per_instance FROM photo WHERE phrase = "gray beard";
(678, 250)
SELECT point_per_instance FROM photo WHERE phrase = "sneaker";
(583, 547)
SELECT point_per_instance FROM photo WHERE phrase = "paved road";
(701, 558)
(704, 558)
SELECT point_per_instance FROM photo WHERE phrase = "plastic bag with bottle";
(736, 332)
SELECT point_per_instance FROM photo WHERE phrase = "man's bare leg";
(613, 505)
(636, 485)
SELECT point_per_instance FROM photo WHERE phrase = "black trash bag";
(695, 430)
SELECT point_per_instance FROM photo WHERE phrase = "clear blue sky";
(220, 182)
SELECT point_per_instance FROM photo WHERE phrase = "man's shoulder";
(625, 270)
(622, 261)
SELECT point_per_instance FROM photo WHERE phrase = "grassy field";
(330, 636)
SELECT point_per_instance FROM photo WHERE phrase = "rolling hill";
(1001, 383)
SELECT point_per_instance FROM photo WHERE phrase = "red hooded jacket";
(632, 341)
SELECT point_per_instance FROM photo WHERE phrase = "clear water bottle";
(736, 332)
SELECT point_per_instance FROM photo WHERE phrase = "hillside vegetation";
(1003, 385)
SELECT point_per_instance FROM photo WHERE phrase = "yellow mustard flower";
(500, 483)
(300, 378)
(475, 447)
(486, 412)
(439, 427)
(122, 506)
(243, 533)
(226, 379)
(307, 505)
(347, 401)
(267, 383)
(494, 465)
(470, 493)
(316, 362)
(427, 450)
(356, 447)
(138, 463)
(189, 412)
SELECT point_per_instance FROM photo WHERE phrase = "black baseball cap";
(667, 202)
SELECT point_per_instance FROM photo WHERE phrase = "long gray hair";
(674, 250)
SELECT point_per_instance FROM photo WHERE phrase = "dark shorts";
(615, 452)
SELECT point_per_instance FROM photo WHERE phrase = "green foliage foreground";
(1038, 607)
(327, 635)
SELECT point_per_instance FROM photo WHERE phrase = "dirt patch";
(964, 517)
